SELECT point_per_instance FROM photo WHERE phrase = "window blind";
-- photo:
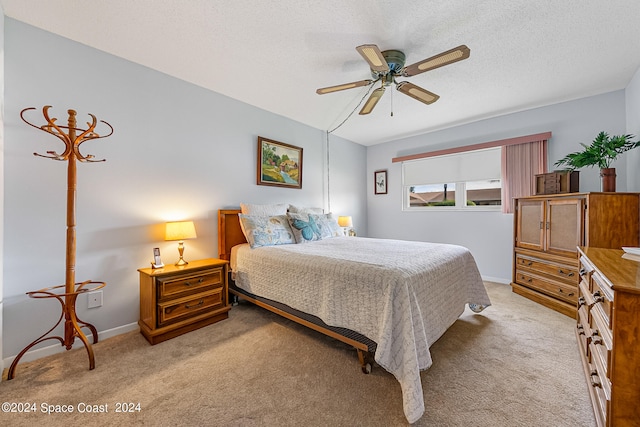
(467, 166)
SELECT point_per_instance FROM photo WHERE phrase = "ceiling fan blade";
(445, 58)
(372, 101)
(373, 56)
(416, 92)
(337, 88)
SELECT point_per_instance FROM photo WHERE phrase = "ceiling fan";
(389, 64)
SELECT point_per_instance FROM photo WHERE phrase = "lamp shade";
(345, 221)
(180, 230)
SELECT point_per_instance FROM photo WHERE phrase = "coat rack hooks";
(72, 137)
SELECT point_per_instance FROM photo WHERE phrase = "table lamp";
(180, 230)
(345, 222)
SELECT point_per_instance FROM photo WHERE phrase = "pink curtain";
(520, 164)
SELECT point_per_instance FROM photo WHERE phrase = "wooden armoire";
(549, 228)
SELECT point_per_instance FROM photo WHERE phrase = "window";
(461, 181)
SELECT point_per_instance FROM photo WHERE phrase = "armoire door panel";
(564, 225)
(530, 224)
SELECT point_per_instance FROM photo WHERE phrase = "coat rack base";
(72, 325)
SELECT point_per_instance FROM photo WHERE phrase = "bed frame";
(229, 235)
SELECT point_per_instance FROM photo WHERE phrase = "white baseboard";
(496, 280)
(57, 348)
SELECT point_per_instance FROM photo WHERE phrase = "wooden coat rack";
(72, 137)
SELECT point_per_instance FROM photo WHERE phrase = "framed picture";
(279, 164)
(380, 182)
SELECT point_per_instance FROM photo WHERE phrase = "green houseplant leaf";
(602, 152)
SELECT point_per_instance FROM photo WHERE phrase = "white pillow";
(264, 210)
(297, 209)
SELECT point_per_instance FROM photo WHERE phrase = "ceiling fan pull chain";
(391, 102)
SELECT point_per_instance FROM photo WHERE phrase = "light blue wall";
(178, 152)
(489, 235)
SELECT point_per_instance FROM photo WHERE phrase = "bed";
(390, 299)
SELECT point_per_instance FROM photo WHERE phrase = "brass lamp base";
(181, 262)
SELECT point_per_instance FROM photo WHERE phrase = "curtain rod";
(491, 144)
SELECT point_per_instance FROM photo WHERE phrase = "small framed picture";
(380, 182)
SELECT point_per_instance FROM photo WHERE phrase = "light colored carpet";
(515, 364)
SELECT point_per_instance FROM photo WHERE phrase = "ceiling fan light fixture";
(372, 101)
(373, 56)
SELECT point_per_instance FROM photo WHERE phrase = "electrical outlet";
(95, 299)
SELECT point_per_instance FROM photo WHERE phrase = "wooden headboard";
(229, 232)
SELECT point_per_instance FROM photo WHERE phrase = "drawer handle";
(596, 339)
(597, 297)
(525, 279)
(194, 306)
(569, 274)
(200, 280)
(570, 294)
(581, 302)
(583, 271)
(524, 262)
(595, 379)
(581, 330)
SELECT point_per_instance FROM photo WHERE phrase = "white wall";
(489, 235)
(632, 96)
(1, 178)
(178, 152)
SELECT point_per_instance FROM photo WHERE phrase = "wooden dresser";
(175, 300)
(608, 332)
(549, 228)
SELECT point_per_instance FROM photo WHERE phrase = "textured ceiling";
(275, 54)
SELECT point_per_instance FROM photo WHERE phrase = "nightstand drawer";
(183, 308)
(189, 283)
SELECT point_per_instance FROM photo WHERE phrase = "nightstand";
(176, 300)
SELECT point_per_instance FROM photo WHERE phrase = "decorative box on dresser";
(549, 228)
(176, 300)
(608, 332)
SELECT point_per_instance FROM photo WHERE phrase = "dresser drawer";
(189, 306)
(560, 290)
(602, 295)
(584, 329)
(599, 399)
(561, 272)
(177, 286)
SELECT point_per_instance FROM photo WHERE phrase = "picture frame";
(380, 182)
(279, 164)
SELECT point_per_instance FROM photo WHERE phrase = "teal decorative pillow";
(305, 227)
(266, 230)
(310, 227)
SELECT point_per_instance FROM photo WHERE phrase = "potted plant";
(602, 152)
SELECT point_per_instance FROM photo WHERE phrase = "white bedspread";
(401, 294)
